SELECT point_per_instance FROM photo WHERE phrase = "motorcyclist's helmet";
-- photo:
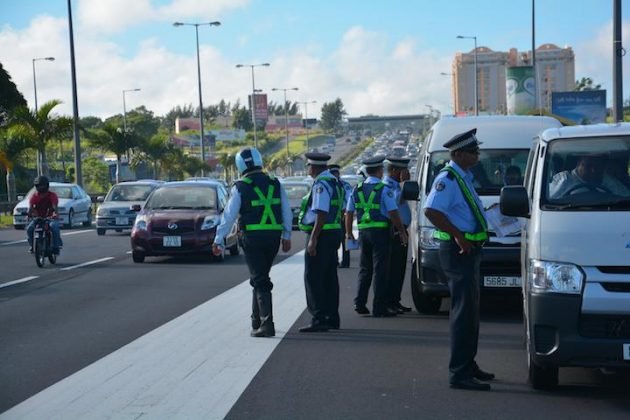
(41, 184)
(248, 159)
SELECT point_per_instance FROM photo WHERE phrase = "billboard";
(520, 88)
(583, 107)
(260, 107)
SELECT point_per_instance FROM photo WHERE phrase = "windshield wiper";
(620, 204)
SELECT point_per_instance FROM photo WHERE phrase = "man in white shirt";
(589, 175)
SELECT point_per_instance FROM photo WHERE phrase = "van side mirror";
(514, 201)
(410, 190)
(136, 207)
(100, 199)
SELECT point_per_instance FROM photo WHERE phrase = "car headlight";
(210, 222)
(140, 223)
(427, 241)
(102, 212)
(554, 277)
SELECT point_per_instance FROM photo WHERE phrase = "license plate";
(501, 281)
(122, 221)
(626, 351)
(172, 241)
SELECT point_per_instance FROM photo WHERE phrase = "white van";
(575, 249)
(506, 144)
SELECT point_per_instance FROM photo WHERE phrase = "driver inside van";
(589, 175)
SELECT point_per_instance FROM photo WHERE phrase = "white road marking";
(72, 267)
(195, 366)
(18, 281)
(21, 241)
(129, 252)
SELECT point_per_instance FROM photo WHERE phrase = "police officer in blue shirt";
(397, 172)
(321, 218)
(456, 211)
(347, 192)
(265, 221)
(376, 210)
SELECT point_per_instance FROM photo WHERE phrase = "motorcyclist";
(43, 203)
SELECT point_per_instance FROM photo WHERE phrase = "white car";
(75, 206)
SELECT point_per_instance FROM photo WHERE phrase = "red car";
(181, 218)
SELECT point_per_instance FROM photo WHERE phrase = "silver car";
(75, 206)
(118, 209)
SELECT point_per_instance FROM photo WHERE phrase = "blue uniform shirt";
(388, 200)
(321, 194)
(347, 188)
(403, 206)
(233, 207)
(447, 198)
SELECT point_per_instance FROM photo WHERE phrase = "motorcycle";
(43, 242)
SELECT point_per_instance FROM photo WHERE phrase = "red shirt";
(43, 205)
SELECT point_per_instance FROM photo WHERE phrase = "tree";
(114, 139)
(156, 150)
(242, 118)
(39, 128)
(586, 83)
(10, 96)
(168, 121)
(90, 122)
(10, 151)
(332, 114)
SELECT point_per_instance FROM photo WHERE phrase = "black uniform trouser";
(397, 267)
(260, 249)
(373, 263)
(462, 272)
(320, 278)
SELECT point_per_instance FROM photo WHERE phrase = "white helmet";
(247, 159)
(363, 172)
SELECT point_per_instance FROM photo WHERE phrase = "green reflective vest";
(266, 201)
(474, 207)
(368, 211)
(333, 219)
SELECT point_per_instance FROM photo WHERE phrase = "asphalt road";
(373, 368)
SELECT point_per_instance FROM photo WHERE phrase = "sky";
(379, 57)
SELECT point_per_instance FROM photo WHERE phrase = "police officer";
(397, 172)
(347, 192)
(265, 221)
(376, 211)
(320, 218)
(455, 209)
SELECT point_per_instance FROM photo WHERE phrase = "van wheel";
(541, 378)
(138, 257)
(100, 232)
(425, 304)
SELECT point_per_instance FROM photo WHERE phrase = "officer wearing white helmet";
(363, 172)
(265, 219)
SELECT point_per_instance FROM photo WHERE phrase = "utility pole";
(618, 53)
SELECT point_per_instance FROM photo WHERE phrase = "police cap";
(374, 162)
(397, 162)
(317, 159)
(334, 167)
(466, 140)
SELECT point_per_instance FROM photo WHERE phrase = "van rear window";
(496, 168)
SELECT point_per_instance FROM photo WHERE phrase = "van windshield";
(587, 174)
(496, 168)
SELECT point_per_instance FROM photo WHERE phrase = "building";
(555, 69)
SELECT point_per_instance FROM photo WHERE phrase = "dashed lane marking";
(18, 281)
(100, 260)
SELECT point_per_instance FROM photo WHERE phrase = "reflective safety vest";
(474, 208)
(335, 211)
(260, 211)
(369, 211)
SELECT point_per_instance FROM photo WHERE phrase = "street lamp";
(253, 103)
(125, 106)
(305, 103)
(286, 114)
(197, 25)
(475, 55)
(39, 157)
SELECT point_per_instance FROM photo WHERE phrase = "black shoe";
(483, 376)
(395, 309)
(403, 308)
(333, 323)
(264, 331)
(314, 327)
(470, 384)
(388, 313)
(361, 310)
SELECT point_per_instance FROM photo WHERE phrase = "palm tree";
(39, 128)
(10, 151)
(114, 139)
(156, 151)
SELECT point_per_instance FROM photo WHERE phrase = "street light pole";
(253, 102)
(39, 157)
(305, 103)
(197, 25)
(476, 71)
(286, 115)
